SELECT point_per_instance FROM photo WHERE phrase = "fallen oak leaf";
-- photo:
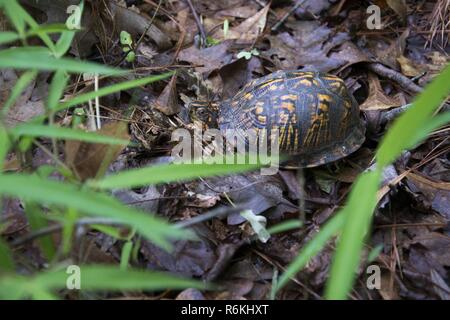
(377, 99)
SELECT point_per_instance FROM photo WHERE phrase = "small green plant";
(248, 54)
(127, 46)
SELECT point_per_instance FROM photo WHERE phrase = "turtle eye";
(202, 113)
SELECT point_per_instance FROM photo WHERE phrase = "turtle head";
(204, 114)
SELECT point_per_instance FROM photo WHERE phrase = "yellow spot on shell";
(289, 97)
(248, 96)
(288, 106)
(305, 82)
(259, 109)
(262, 119)
(324, 97)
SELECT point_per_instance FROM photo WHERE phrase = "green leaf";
(358, 216)
(6, 37)
(130, 56)
(38, 130)
(402, 135)
(167, 173)
(56, 89)
(41, 58)
(431, 125)
(19, 18)
(4, 145)
(125, 255)
(112, 278)
(21, 84)
(6, 259)
(47, 28)
(85, 97)
(125, 38)
(285, 226)
(50, 192)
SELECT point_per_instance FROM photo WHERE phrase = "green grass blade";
(38, 130)
(167, 173)
(51, 192)
(402, 135)
(56, 89)
(6, 259)
(6, 37)
(330, 229)
(47, 28)
(358, 216)
(112, 278)
(4, 145)
(285, 226)
(435, 123)
(85, 97)
(20, 17)
(41, 58)
(17, 90)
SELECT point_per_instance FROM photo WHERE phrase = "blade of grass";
(285, 226)
(167, 173)
(399, 136)
(4, 146)
(56, 89)
(85, 97)
(112, 278)
(37, 130)
(330, 229)
(20, 17)
(358, 216)
(6, 260)
(50, 192)
(41, 58)
(8, 36)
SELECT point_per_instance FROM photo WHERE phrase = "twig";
(393, 75)
(198, 22)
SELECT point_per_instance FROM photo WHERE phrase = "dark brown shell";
(317, 118)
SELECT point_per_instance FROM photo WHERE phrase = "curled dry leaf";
(377, 99)
(251, 28)
(399, 6)
(407, 67)
(89, 160)
(167, 101)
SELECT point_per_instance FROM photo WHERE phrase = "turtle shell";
(316, 117)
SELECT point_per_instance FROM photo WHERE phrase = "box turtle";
(317, 118)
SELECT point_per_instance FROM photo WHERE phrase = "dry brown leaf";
(399, 6)
(89, 160)
(249, 29)
(167, 100)
(389, 55)
(377, 99)
(407, 67)
(209, 59)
